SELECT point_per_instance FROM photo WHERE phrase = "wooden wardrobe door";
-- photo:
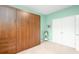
(31, 26)
(25, 30)
(7, 30)
(34, 30)
(19, 41)
(22, 30)
(37, 29)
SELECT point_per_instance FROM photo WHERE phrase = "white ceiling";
(47, 9)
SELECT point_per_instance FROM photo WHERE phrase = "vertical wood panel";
(34, 30)
(7, 30)
(22, 30)
(19, 40)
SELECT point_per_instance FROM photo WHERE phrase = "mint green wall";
(42, 26)
(42, 17)
(73, 10)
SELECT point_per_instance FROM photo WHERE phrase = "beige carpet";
(50, 48)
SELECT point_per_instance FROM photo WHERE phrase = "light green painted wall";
(42, 17)
(73, 10)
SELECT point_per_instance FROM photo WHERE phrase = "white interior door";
(68, 31)
(63, 31)
(56, 31)
(77, 31)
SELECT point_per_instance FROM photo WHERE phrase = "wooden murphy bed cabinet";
(19, 30)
